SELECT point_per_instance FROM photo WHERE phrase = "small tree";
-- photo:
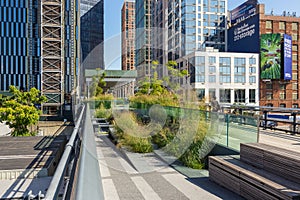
(18, 110)
(97, 85)
(152, 85)
(174, 74)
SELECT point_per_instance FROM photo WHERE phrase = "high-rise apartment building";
(194, 25)
(92, 33)
(38, 49)
(128, 35)
(178, 28)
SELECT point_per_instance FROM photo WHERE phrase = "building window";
(212, 93)
(200, 78)
(200, 60)
(295, 57)
(239, 96)
(294, 37)
(295, 86)
(252, 70)
(269, 95)
(295, 47)
(239, 61)
(252, 61)
(224, 69)
(282, 95)
(281, 25)
(239, 70)
(295, 95)
(201, 93)
(212, 60)
(295, 105)
(225, 61)
(282, 105)
(295, 76)
(212, 78)
(225, 79)
(269, 86)
(239, 79)
(225, 96)
(294, 26)
(294, 66)
(269, 24)
(212, 69)
(282, 86)
(252, 79)
(252, 96)
(269, 105)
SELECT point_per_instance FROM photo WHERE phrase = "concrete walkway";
(144, 176)
(280, 139)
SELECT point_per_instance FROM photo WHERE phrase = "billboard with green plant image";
(270, 56)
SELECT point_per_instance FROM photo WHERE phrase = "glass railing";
(228, 130)
(236, 129)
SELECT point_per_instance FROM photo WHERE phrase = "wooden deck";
(32, 157)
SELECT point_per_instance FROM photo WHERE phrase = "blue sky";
(112, 23)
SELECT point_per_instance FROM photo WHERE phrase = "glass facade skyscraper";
(38, 48)
(143, 37)
(13, 44)
(92, 33)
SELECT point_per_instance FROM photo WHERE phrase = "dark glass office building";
(13, 44)
(38, 48)
(92, 33)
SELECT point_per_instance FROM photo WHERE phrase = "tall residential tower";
(128, 35)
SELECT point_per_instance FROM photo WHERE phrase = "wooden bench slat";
(249, 176)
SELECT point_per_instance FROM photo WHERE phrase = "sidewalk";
(280, 139)
(144, 176)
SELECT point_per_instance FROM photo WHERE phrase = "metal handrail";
(57, 179)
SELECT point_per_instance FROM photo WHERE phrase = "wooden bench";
(272, 159)
(249, 181)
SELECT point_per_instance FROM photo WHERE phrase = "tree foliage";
(96, 88)
(174, 74)
(18, 110)
(152, 90)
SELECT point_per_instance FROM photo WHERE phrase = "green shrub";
(137, 144)
(102, 112)
(142, 100)
(187, 142)
(163, 137)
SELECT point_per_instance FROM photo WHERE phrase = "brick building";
(128, 35)
(280, 93)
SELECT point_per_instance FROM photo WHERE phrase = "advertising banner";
(244, 37)
(270, 56)
(243, 11)
(287, 57)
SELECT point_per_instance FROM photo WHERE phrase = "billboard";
(270, 56)
(287, 57)
(244, 37)
(243, 11)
